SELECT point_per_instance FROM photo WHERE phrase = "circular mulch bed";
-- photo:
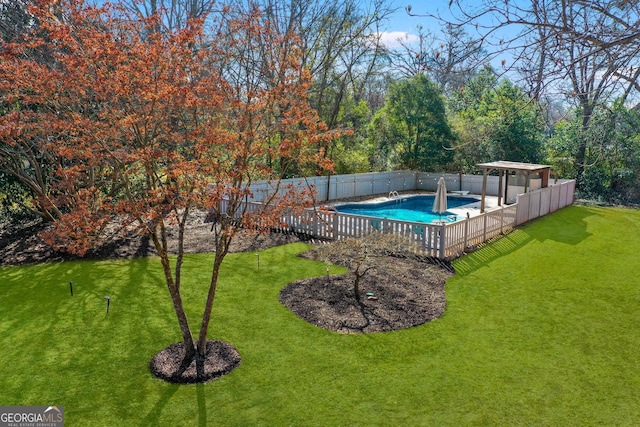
(221, 358)
(330, 303)
(405, 290)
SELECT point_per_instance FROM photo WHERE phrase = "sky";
(402, 25)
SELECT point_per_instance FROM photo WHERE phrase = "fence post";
(316, 224)
(466, 232)
(484, 227)
(443, 235)
(335, 233)
(423, 238)
(501, 219)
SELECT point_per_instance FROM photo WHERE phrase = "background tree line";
(547, 82)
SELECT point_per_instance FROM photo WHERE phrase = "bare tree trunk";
(581, 155)
(222, 248)
(359, 275)
(161, 246)
(206, 317)
(178, 307)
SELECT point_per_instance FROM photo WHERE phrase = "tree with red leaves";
(150, 126)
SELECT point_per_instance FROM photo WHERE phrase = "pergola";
(526, 169)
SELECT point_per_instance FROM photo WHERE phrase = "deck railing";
(440, 240)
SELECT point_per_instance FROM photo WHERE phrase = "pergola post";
(500, 174)
(484, 188)
(506, 187)
(546, 175)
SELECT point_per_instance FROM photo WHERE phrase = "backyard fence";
(440, 240)
(337, 187)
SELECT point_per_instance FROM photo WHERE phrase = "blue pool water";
(413, 209)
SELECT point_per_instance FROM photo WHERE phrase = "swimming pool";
(412, 209)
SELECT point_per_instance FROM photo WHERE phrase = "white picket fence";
(444, 241)
(544, 201)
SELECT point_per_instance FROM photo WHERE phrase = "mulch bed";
(405, 290)
(21, 244)
(169, 364)
(395, 303)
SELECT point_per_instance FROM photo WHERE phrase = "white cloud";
(393, 39)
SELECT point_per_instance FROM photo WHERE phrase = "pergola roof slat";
(505, 165)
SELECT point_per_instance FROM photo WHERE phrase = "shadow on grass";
(566, 226)
(498, 248)
(153, 417)
(202, 406)
(41, 295)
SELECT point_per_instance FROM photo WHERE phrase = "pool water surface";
(412, 209)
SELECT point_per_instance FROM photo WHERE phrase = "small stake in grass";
(108, 298)
(258, 255)
(71, 287)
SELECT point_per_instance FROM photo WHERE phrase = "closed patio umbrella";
(440, 202)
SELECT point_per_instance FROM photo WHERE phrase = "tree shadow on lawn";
(43, 295)
(153, 417)
(566, 225)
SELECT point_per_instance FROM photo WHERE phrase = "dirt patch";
(21, 244)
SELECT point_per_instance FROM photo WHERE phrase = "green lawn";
(542, 327)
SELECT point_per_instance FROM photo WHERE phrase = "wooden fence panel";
(555, 198)
(457, 238)
(571, 192)
(380, 185)
(566, 196)
(523, 211)
(476, 227)
(319, 185)
(534, 205)
(545, 201)
(345, 187)
(364, 185)
(398, 182)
